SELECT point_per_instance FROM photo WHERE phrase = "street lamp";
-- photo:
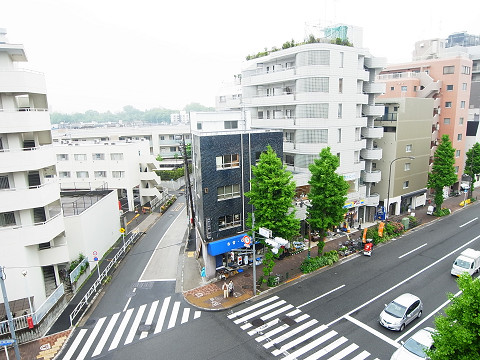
(387, 210)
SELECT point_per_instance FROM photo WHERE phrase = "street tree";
(472, 165)
(443, 170)
(458, 331)
(271, 193)
(327, 196)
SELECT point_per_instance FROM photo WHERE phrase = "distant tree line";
(129, 114)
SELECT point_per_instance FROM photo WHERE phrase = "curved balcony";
(374, 88)
(22, 81)
(28, 235)
(27, 159)
(259, 77)
(373, 110)
(375, 62)
(371, 154)
(29, 198)
(374, 176)
(53, 255)
(149, 176)
(372, 132)
(269, 100)
(24, 121)
(372, 200)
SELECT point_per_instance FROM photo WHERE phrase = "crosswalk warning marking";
(173, 316)
(252, 307)
(161, 316)
(186, 314)
(309, 346)
(349, 349)
(327, 348)
(362, 356)
(75, 344)
(121, 329)
(136, 322)
(258, 312)
(272, 332)
(197, 314)
(106, 334)
(91, 338)
(149, 319)
(291, 333)
(302, 338)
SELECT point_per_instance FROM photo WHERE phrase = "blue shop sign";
(225, 245)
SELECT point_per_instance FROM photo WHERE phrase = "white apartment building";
(125, 165)
(322, 94)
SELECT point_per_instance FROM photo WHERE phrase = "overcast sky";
(105, 54)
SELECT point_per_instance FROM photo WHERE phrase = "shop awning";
(225, 245)
(414, 193)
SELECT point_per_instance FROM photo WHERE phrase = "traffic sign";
(95, 253)
(247, 241)
(7, 342)
(122, 230)
(95, 258)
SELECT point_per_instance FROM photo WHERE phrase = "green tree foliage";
(458, 331)
(197, 107)
(472, 164)
(443, 171)
(271, 193)
(328, 193)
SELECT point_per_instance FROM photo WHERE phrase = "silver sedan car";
(401, 311)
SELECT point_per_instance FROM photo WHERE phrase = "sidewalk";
(209, 295)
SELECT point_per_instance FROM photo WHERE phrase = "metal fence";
(76, 272)
(98, 283)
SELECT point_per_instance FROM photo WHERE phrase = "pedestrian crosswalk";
(285, 330)
(123, 328)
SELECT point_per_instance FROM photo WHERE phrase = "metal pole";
(387, 210)
(254, 257)
(9, 314)
(24, 273)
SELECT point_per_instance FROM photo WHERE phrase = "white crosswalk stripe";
(125, 327)
(288, 333)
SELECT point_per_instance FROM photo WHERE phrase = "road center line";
(412, 250)
(372, 331)
(404, 281)
(468, 222)
(319, 297)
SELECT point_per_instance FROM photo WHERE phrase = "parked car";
(401, 311)
(414, 348)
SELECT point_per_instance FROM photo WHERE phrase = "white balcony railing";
(372, 176)
(371, 154)
(24, 121)
(22, 81)
(373, 132)
(29, 198)
(30, 158)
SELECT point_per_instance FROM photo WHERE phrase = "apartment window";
(459, 137)
(162, 137)
(100, 174)
(228, 192)
(408, 148)
(340, 85)
(231, 124)
(289, 136)
(457, 153)
(223, 99)
(62, 157)
(374, 165)
(309, 111)
(358, 134)
(199, 126)
(313, 84)
(446, 121)
(339, 139)
(342, 55)
(116, 156)
(449, 87)
(448, 70)
(392, 88)
(98, 156)
(118, 174)
(464, 86)
(340, 111)
(407, 167)
(356, 157)
(466, 70)
(172, 149)
(227, 161)
(171, 137)
(313, 136)
(288, 113)
(415, 88)
(4, 184)
(80, 157)
(7, 218)
(460, 121)
(462, 104)
(456, 169)
(404, 88)
(289, 160)
(405, 184)
(448, 104)
(338, 156)
(82, 174)
(64, 174)
(260, 114)
(228, 221)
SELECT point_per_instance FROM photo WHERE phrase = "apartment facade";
(448, 82)
(322, 94)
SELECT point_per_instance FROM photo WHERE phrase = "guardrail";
(98, 283)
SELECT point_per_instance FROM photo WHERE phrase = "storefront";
(231, 251)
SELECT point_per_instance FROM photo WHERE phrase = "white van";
(467, 261)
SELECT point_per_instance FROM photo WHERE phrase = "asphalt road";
(330, 313)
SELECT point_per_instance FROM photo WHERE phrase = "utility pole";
(187, 182)
(254, 257)
(9, 314)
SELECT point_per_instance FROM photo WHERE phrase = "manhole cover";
(288, 320)
(257, 322)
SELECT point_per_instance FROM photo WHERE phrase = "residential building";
(406, 144)
(322, 94)
(222, 162)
